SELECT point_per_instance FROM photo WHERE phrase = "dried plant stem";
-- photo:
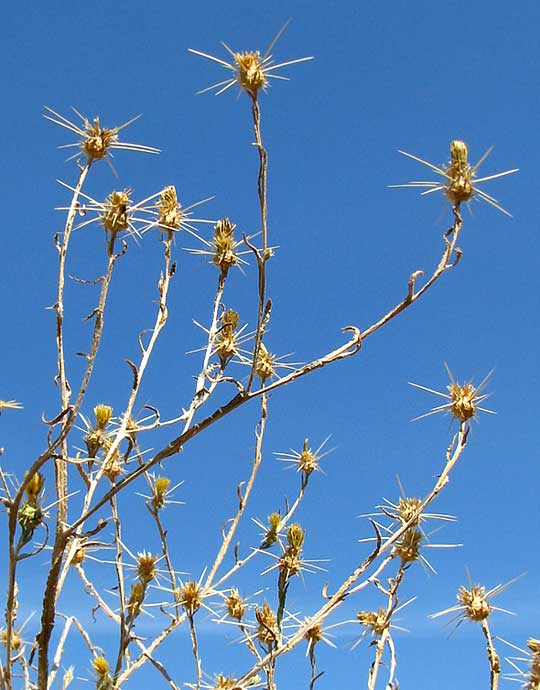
(125, 628)
(201, 393)
(60, 650)
(386, 636)
(263, 255)
(243, 497)
(195, 649)
(493, 657)
(347, 587)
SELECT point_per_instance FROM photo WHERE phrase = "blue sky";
(386, 76)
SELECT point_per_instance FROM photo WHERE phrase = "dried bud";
(189, 596)
(224, 245)
(474, 600)
(308, 461)
(170, 210)
(97, 140)
(250, 71)
(146, 567)
(267, 632)
(115, 216)
(375, 620)
(408, 547)
(78, 556)
(136, 599)
(460, 183)
(236, 607)
(94, 440)
(264, 364)
(295, 537)
(270, 538)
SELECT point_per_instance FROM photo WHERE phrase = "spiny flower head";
(95, 141)
(376, 621)
(103, 414)
(169, 210)
(236, 606)
(272, 531)
(474, 602)
(264, 364)
(112, 467)
(16, 639)
(225, 245)
(146, 567)
(115, 216)
(159, 490)
(408, 547)
(306, 460)
(251, 70)
(189, 596)
(460, 181)
(101, 665)
(464, 400)
(227, 337)
(267, 631)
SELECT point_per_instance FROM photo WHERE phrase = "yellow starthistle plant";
(94, 140)
(189, 596)
(464, 400)
(306, 460)
(250, 70)
(460, 177)
(169, 215)
(474, 603)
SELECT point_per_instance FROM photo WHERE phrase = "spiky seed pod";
(463, 407)
(460, 183)
(94, 441)
(16, 639)
(295, 537)
(189, 596)
(226, 345)
(264, 364)
(97, 140)
(406, 508)
(33, 487)
(224, 245)
(375, 620)
(146, 567)
(136, 598)
(250, 71)
(308, 461)
(161, 484)
(103, 414)
(170, 210)
(267, 631)
(474, 600)
(115, 216)
(235, 604)
(408, 547)
(113, 466)
(314, 634)
(290, 564)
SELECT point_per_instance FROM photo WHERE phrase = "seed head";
(115, 216)
(463, 397)
(406, 508)
(314, 634)
(136, 598)
(94, 441)
(224, 245)
(376, 621)
(533, 645)
(146, 567)
(224, 683)
(189, 596)
(16, 639)
(169, 210)
(295, 537)
(226, 339)
(264, 365)
(267, 631)
(474, 600)
(235, 604)
(408, 547)
(79, 556)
